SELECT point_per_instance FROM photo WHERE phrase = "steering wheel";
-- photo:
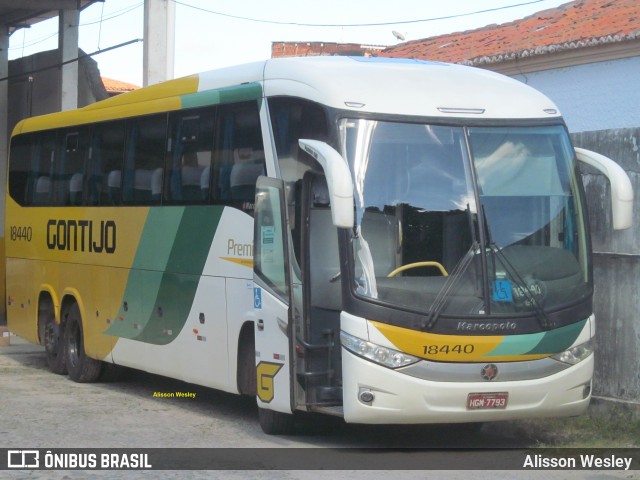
(408, 266)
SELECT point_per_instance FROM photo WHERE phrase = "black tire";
(275, 423)
(53, 341)
(247, 378)
(81, 368)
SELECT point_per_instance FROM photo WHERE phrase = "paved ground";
(43, 410)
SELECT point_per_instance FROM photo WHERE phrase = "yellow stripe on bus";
(171, 88)
(245, 262)
(80, 117)
(448, 348)
(159, 98)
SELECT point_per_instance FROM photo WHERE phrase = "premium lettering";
(240, 249)
(82, 235)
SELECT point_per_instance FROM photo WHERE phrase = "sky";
(208, 34)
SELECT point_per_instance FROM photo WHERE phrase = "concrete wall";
(616, 267)
(600, 103)
(32, 92)
(39, 93)
(595, 96)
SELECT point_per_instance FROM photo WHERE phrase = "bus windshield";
(466, 221)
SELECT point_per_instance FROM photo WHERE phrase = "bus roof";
(362, 84)
(406, 86)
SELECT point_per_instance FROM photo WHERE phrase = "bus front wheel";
(275, 423)
(81, 368)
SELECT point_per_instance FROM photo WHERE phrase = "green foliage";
(614, 427)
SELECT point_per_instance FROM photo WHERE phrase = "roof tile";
(572, 25)
(116, 86)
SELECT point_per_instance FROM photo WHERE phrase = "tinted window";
(239, 157)
(212, 155)
(291, 120)
(22, 148)
(189, 156)
(144, 160)
(104, 171)
(42, 169)
(68, 185)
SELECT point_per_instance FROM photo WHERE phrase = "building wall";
(595, 96)
(34, 89)
(38, 93)
(616, 261)
(601, 105)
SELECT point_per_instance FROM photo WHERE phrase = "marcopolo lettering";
(487, 326)
(82, 235)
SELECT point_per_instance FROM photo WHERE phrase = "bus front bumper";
(377, 395)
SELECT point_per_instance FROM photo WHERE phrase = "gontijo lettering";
(82, 235)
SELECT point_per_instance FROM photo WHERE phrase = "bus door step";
(323, 395)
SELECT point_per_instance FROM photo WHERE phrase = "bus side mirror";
(621, 189)
(338, 178)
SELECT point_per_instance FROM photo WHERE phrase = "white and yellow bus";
(390, 241)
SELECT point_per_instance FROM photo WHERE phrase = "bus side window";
(69, 175)
(22, 148)
(239, 157)
(291, 120)
(42, 169)
(189, 152)
(104, 169)
(144, 160)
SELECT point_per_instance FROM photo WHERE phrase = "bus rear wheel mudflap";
(80, 367)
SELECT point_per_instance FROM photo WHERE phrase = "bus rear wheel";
(54, 346)
(80, 367)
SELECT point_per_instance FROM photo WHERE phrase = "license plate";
(485, 401)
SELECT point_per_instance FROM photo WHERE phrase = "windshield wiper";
(454, 277)
(514, 275)
(452, 280)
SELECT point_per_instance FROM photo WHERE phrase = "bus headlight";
(575, 354)
(387, 357)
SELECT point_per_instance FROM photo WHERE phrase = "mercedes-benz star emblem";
(489, 371)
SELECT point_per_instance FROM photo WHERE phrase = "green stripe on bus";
(241, 93)
(556, 341)
(152, 256)
(154, 249)
(516, 344)
(177, 289)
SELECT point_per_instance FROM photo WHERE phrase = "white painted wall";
(596, 96)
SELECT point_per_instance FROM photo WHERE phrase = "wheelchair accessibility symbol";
(257, 298)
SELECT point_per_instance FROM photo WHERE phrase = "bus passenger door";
(272, 297)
